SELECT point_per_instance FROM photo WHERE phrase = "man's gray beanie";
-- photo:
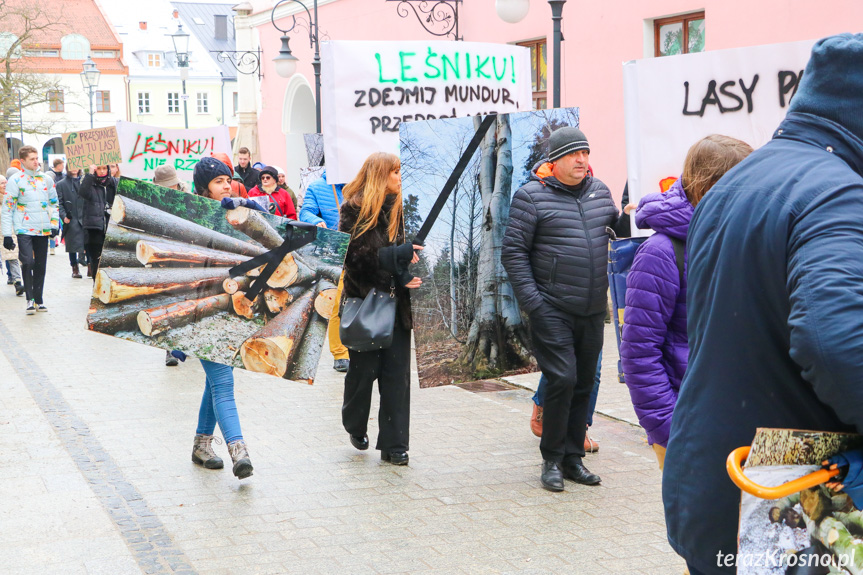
(565, 141)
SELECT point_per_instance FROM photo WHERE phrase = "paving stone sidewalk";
(96, 436)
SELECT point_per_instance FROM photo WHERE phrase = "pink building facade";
(599, 36)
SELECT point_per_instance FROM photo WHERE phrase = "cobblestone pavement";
(96, 436)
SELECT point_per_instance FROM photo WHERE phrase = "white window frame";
(203, 101)
(173, 102)
(154, 60)
(143, 103)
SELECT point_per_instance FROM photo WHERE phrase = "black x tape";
(306, 234)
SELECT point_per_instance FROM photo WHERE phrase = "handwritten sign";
(99, 146)
(145, 148)
(370, 88)
(672, 102)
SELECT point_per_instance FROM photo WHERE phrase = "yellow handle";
(735, 472)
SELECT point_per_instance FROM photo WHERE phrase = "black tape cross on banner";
(454, 177)
(307, 233)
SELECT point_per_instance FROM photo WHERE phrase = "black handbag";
(367, 323)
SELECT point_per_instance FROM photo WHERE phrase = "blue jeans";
(218, 403)
(539, 396)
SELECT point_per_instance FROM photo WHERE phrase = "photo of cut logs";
(164, 280)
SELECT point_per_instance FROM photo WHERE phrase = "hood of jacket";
(541, 172)
(223, 157)
(668, 213)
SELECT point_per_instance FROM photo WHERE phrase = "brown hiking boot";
(536, 421)
(590, 446)
(240, 456)
(203, 454)
(76, 272)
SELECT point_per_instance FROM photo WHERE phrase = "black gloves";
(395, 259)
(8, 243)
(54, 232)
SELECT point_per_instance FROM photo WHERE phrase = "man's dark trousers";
(33, 255)
(567, 348)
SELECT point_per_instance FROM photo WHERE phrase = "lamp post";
(181, 49)
(513, 11)
(286, 63)
(90, 80)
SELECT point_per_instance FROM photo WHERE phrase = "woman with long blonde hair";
(378, 257)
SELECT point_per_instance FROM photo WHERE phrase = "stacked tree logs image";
(166, 265)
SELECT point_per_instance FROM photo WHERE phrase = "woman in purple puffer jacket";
(654, 346)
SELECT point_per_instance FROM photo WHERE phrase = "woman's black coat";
(362, 270)
(96, 199)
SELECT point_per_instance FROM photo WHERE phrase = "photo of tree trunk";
(467, 322)
(815, 530)
(165, 280)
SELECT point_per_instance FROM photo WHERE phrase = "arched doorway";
(298, 118)
(51, 147)
(13, 144)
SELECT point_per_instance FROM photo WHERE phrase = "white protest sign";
(672, 102)
(145, 148)
(370, 88)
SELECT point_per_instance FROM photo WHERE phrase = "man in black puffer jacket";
(556, 251)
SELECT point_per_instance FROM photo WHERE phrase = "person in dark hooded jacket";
(72, 215)
(654, 345)
(776, 329)
(555, 251)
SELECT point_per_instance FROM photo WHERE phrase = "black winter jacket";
(362, 267)
(72, 207)
(251, 176)
(555, 248)
(96, 199)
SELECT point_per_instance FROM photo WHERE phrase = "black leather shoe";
(395, 457)
(552, 477)
(576, 471)
(361, 443)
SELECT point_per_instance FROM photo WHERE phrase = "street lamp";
(90, 80)
(286, 63)
(513, 11)
(181, 49)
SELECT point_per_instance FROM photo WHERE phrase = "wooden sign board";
(99, 147)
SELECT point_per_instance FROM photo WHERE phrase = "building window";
(143, 102)
(154, 60)
(173, 102)
(236, 103)
(538, 72)
(203, 105)
(55, 101)
(104, 54)
(679, 35)
(41, 53)
(74, 47)
(103, 100)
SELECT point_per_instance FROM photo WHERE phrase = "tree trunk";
(497, 340)
(285, 274)
(162, 251)
(110, 319)
(325, 300)
(306, 360)
(244, 307)
(255, 225)
(277, 300)
(271, 349)
(233, 285)
(120, 284)
(117, 258)
(123, 238)
(320, 268)
(133, 214)
(157, 320)
(453, 325)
